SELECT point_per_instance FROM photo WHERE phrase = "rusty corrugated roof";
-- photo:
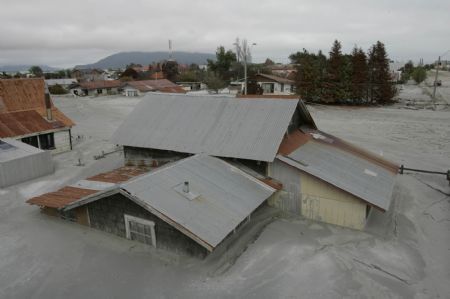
(162, 85)
(67, 195)
(23, 123)
(28, 97)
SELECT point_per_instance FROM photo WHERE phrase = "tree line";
(355, 78)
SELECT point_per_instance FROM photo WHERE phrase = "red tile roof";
(67, 195)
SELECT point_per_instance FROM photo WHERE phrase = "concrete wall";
(315, 199)
(149, 157)
(25, 168)
(107, 214)
(62, 141)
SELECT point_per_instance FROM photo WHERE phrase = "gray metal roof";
(217, 126)
(221, 196)
(355, 175)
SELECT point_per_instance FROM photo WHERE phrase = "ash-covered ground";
(404, 253)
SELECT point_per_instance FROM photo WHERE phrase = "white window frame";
(129, 218)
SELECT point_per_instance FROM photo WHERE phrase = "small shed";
(330, 180)
(191, 205)
(20, 162)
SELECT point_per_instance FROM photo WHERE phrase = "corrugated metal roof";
(51, 82)
(26, 95)
(24, 123)
(273, 78)
(162, 85)
(218, 126)
(100, 84)
(223, 195)
(363, 178)
(69, 194)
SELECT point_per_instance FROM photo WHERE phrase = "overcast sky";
(65, 33)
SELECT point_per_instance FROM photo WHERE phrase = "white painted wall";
(62, 141)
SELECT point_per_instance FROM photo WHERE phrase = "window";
(32, 140)
(140, 230)
(268, 87)
(47, 141)
(99, 91)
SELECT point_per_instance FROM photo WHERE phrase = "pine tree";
(381, 89)
(334, 87)
(359, 77)
(309, 74)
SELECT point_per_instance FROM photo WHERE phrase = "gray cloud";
(65, 33)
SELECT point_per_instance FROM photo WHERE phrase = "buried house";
(323, 177)
(28, 114)
(192, 205)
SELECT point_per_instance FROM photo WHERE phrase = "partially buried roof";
(220, 197)
(341, 164)
(84, 188)
(217, 126)
(162, 85)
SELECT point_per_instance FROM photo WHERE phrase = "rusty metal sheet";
(70, 194)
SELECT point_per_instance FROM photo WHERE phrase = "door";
(140, 230)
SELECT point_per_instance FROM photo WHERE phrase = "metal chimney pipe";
(48, 103)
(186, 187)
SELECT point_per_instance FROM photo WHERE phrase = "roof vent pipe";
(186, 187)
(48, 104)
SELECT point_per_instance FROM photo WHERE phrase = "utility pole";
(243, 52)
(435, 81)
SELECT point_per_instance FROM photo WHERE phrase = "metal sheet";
(226, 196)
(347, 171)
(97, 184)
(217, 126)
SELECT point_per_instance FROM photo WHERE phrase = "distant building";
(28, 114)
(64, 83)
(192, 86)
(275, 85)
(96, 88)
(87, 74)
(137, 88)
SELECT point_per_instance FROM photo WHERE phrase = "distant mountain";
(122, 59)
(25, 67)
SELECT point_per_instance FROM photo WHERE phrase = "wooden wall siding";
(315, 199)
(324, 202)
